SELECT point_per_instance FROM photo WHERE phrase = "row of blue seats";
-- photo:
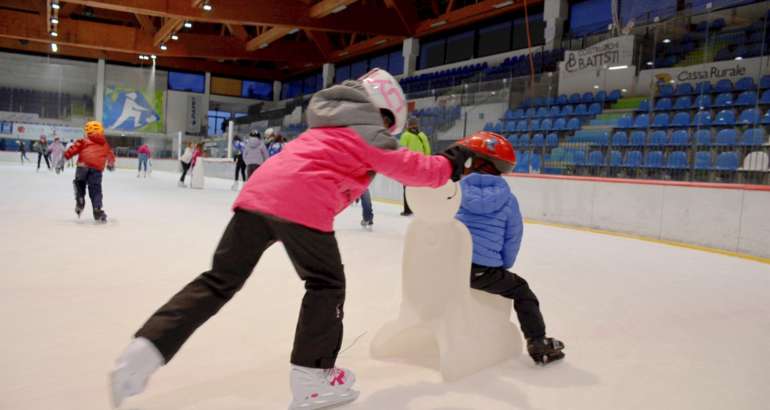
(724, 118)
(452, 112)
(520, 65)
(706, 87)
(703, 160)
(457, 71)
(755, 47)
(746, 98)
(725, 137)
(559, 124)
(538, 140)
(576, 98)
(553, 112)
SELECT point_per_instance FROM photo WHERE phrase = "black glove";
(457, 156)
(110, 167)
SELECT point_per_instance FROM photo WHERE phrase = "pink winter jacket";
(320, 173)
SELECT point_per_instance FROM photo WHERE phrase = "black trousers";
(407, 210)
(240, 167)
(501, 282)
(44, 156)
(316, 259)
(251, 169)
(91, 178)
(185, 168)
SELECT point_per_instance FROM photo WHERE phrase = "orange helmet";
(93, 128)
(492, 147)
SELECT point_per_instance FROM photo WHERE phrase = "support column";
(555, 14)
(99, 97)
(277, 90)
(206, 101)
(411, 51)
(327, 75)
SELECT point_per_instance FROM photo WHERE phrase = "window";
(396, 62)
(191, 82)
(432, 53)
(358, 69)
(261, 90)
(494, 39)
(217, 122)
(459, 47)
(341, 74)
(310, 85)
(379, 62)
(589, 16)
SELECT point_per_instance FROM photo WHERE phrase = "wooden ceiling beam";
(145, 22)
(321, 40)
(407, 14)
(263, 40)
(169, 27)
(484, 9)
(327, 7)
(238, 31)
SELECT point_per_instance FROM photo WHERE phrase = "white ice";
(647, 326)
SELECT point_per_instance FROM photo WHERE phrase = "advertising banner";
(615, 51)
(194, 114)
(732, 70)
(34, 131)
(127, 109)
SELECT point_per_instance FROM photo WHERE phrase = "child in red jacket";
(93, 153)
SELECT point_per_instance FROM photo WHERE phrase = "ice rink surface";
(647, 326)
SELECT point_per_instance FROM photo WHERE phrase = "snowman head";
(436, 205)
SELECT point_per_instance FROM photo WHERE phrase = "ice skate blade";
(117, 393)
(326, 401)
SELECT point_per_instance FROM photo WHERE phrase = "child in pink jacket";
(293, 198)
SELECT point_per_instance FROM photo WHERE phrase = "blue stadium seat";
(578, 157)
(573, 124)
(683, 103)
(523, 140)
(616, 158)
(614, 96)
(661, 120)
(702, 102)
(749, 117)
(703, 87)
(538, 101)
(538, 140)
(653, 159)
(542, 112)
(546, 124)
(658, 138)
(745, 84)
(602, 139)
(727, 161)
(724, 86)
(530, 113)
(702, 137)
(581, 110)
(753, 136)
(595, 159)
(510, 126)
(665, 90)
(560, 124)
(551, 140)
(765, 99)
(619, 139)
(624, 122)
(644, 106)
(566, 111)
(641, 121)
(600, 97)
(724, 100)
(633, 159)
(637, 139)
(681, 120)
(725, 118)
(595, 109)
(702, 160)
(574, 99)
(554, 112)
(680, 138)
(513, 139)
(677, 160)
(522, 162)
(766, 118)
(663, 104)
(727, 137)
(587, 98)
(534, 162)
(702, 119)
(764, 82)
(562, 100)
(746, 98)
(534, 125)
(518, 114)
(683, 89)
(489, 127)
(499, 128)
(508, 114)
(522, 126)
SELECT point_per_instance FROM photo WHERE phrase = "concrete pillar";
(207, 97)
(99, 97)
(555, 14)
(327, 75)
(277, 90)
(411, 51)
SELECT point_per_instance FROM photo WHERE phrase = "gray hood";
(348, 105)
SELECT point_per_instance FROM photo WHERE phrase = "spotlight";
(153, 56)
(54, 20)
(163, 47)
(739, 58)
(207, 6)
(666, 40)
(54, 33)
(187, 24)
(55, 6)
(174, 37)
(54, 48)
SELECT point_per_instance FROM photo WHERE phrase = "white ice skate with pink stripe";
(321, 388)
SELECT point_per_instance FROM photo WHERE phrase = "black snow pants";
(240, 168)
(316, 259)
(93, 179)
(499, 281)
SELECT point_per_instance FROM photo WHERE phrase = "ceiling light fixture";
(438, 23)
(54, 20)
(618, 67)
(596, 87)
(383, 41)
(666, 40)
(293, 31)
(55, 6)
(54, 33)
(153, 56)
(739, 58)
(174, 37)
(263, 45)
(339, 9)
(502, 4)
(207, 6)
(187, 24)
(163, 47)
(54, 48)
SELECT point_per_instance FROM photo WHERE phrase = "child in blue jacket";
(491, 213)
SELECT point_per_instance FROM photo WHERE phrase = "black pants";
(407, 210)
(499, 281)
(240, 167)
(251, 169)
(93, 179)
(316, 259)
(41, 155)
(185, 168)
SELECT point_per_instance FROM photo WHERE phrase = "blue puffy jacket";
(491, 213)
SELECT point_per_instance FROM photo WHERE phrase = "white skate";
(181, 184)
(132, 369)
(235, 186)
(321, 388)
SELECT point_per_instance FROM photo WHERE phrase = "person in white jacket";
(254, 154)
(185, 159)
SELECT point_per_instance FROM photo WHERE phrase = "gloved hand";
(457, 156)
(110, 167)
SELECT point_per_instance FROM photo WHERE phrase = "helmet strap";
(483, 166)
